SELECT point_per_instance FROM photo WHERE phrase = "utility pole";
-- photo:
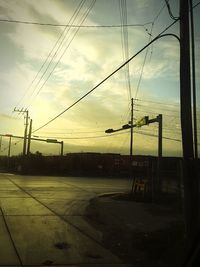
(26, 126)
(25, 133)
(29, 137)
(0, 142)
(131, 143)
(9, 146)
(193, 82)
(189, 174)
(159, 120)
(131, 125)
(61, 150)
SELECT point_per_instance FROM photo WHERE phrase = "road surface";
(42, 221)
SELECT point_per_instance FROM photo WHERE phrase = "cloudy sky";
(46, 68)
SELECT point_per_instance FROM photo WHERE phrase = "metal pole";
(189, 174)
(193, 82)
(185, 88)
(29, 137)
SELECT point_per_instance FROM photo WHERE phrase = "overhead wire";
(157, 102)
(114, 134)
(73, 26)
(53, 52)
(125, 42)
(157, 108)
(81, 21)
(106, 78)
(143, 64)
(147, 50)
(169, 11)
(155, 113)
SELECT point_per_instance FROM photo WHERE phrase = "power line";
(125, 42)
(144, 61)
(155, 112)
(169, 11)
(147, 50)
(114, 134)
(74, 26)
(156, 108)
(196, 5)
(159, 12)
(155, 102)
(82, 20)
(77, 132)
(105, 79)
(155, 135)
(61, 40)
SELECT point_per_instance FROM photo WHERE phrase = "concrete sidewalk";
(142, 234)
(42, 223)
(62, 221)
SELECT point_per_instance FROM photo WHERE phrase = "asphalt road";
(42, 221)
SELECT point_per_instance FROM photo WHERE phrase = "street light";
(109, 131)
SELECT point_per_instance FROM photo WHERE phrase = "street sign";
(143, 121)
(52, 141)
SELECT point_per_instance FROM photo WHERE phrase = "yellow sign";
(142, 121)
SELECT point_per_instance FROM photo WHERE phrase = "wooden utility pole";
(62, 146)
(26, 127)
(189, 173)
(9, 146)
(131, 124)
(131, 140)
(29, 137)
(25, 132)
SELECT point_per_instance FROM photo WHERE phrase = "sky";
(45, 69)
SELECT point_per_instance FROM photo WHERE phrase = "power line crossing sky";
(73, 59)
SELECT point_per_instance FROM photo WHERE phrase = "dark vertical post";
(25, 132)
(189, 174)
(185, 88)
(9, 146)
(131, 139)
(131, 144)
(29, 137)
(159, 118)
(1, 142)
(61, 151)
(193, 82)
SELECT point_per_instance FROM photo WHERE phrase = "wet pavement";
(42, 221)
